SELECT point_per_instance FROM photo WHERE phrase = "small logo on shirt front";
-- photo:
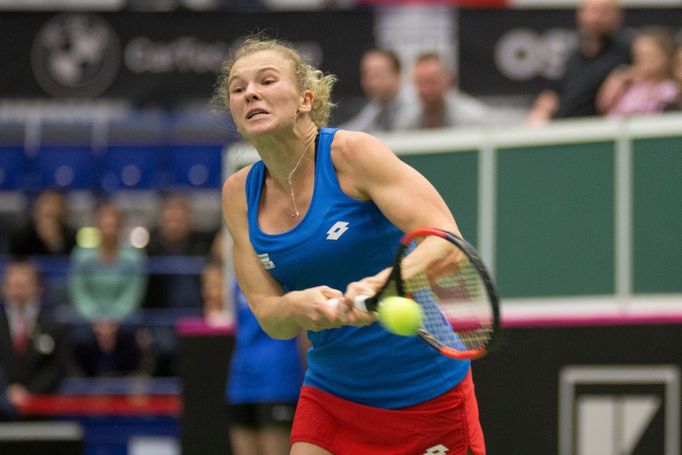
(337, 230)
(267, 263)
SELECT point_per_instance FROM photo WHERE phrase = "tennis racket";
(456, 293)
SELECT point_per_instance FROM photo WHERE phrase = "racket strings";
(456, 312)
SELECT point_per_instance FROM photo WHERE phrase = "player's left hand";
(366, 287)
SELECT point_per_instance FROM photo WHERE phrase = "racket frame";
(394, 283)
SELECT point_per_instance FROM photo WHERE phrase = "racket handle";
(358, 302)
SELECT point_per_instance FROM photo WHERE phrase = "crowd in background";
(613, 71)
(91, 329)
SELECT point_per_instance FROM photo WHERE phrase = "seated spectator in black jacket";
(33, 357)
(173, 285)
(47, 232)
(602, 47)
(175, 236)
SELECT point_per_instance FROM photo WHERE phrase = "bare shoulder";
(353, 148)
(361, 161)
(234, 189)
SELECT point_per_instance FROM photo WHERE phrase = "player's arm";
(280, 314)
(368, 169)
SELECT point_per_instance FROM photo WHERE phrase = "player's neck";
(288, 153)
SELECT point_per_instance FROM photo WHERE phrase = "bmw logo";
(76, 55)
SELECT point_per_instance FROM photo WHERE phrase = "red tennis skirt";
(448, 424)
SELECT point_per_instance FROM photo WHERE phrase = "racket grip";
(358, 302)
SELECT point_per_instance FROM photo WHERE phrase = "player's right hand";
(310, 310)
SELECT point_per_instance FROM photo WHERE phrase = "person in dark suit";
(380, 78)
(33, 357)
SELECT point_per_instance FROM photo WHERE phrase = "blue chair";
(133, 158)
(196, 141)
(14, 165)
(13, 168)
(195, 166)
(64, 159)
(131, 167)
(15, 179)
(65, 166)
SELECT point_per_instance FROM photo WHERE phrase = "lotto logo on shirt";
(337, 230)
(265, 260)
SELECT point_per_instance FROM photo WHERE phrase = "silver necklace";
(291, 186)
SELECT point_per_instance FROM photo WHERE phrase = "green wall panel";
(657, 212)
(455, 176)
(554, 224)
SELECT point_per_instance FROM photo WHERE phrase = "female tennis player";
(320, 217)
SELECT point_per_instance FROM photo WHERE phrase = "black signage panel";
(518, 52)
(162, 57)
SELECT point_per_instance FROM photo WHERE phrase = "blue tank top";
(262, 369)
(341, 240)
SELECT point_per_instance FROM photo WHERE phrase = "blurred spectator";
(220, 245)
(263, 384)
(170, 243)
(676, 104)
(380, 79)
(213, 295)
(47, 232)
(439, 104)
(33, 358)
(175, 236)
(602, 47)
(646, 86)
(107, 285)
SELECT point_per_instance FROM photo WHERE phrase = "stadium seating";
(195, 145)
(65, 159)
(13, 168)
(133, 156)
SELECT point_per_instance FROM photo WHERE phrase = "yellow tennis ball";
(400, 315)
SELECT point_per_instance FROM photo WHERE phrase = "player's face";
(263, 93)
(431, 81)
(649, 58)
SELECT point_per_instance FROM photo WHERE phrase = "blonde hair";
(663, 39)
(307, 76)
